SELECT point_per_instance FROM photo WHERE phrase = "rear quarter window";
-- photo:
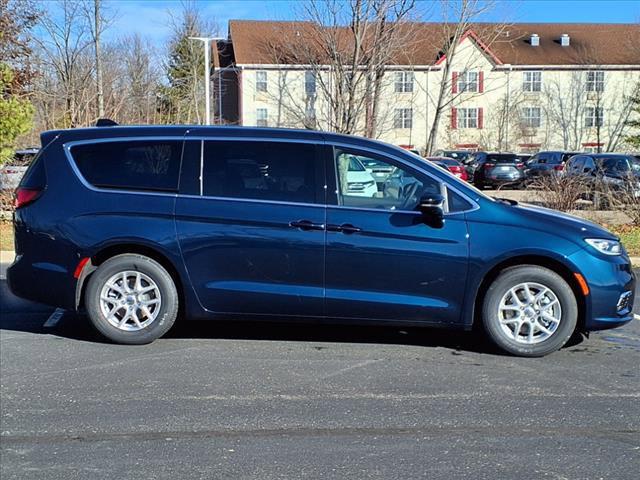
(130, 165)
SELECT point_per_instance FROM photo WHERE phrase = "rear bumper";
(42, 282)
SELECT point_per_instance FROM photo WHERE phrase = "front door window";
(366, 181)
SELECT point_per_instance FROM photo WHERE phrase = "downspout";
(426, 113)
(240, 103)
(506, 131)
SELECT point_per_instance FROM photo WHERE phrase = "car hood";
(562, 223)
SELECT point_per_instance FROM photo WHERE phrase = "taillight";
(558, 168)
(519, 165)
(25, 196)
(489, 165)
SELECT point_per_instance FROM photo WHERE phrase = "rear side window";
(130, 165)
(276, 171)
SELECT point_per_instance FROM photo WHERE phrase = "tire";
(155, 307)
(502, 314)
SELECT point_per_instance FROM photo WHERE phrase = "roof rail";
(106, 122)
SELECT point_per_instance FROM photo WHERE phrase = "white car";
(360, 182)
(11, 174)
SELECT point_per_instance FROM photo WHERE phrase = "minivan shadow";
(19, 315)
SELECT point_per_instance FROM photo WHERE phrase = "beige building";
(532, 87)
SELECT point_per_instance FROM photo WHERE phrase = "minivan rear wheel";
(530, 311)
(131, 299)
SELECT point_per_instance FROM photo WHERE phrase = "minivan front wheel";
(530, 311)
(131, 299)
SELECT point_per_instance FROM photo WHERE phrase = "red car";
(452, 165)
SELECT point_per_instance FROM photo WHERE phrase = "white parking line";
(54, 318)
(636, 317)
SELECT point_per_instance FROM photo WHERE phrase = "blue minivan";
(138, 226)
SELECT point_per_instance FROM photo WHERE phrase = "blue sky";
(150, 18)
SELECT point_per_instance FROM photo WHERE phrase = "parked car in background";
(360, 182)
(12, 172)
(459, 155)
(497, 170)
(455, 167)
(524, 157)
(136, 225)
(613, 171)
(380, 171)
(546, 163)
(463, 156)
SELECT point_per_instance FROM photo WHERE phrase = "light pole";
(207, 75)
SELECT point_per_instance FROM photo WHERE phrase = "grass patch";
(630, 236)
(6, 235)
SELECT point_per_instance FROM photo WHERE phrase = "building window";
(262, 116)
(467, 118)
(532, 81)
(403, 118)
(531, 117)
(261, 81)
(594, 117)
(404, 82)
(468, 82)
(595, 81)
(310, 83)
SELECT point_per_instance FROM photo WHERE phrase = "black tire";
(167, 312)
(513, 277)
(479, 184)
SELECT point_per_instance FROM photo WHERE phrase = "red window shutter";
(480, 118)
(480, 82)
(454, 118)
(454, 82)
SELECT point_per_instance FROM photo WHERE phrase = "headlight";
(608, 247)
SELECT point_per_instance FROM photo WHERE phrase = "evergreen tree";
(16, 113)
(182, 99)
(634, 138)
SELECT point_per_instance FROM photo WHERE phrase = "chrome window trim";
(67, 146)
(252, 200)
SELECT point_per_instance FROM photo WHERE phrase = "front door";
(382, 261)
(250, 222)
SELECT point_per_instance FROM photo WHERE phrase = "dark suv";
(497, 169)
(546, 163)
(610, 171)
(136, 224)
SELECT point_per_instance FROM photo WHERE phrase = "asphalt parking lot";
(292, 401)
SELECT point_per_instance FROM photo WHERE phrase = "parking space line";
(54, 318)
(636, 317)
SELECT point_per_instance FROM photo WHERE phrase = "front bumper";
(612, 286)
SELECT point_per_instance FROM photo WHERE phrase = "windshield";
(355, 165)
(501, 158)
(373, 163)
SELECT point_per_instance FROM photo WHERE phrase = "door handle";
(346, 228)
(306, 225)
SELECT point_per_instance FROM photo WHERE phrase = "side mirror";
(432, 208)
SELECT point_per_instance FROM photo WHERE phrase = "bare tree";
(63, 45)
(459, 17)
(347, 47)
